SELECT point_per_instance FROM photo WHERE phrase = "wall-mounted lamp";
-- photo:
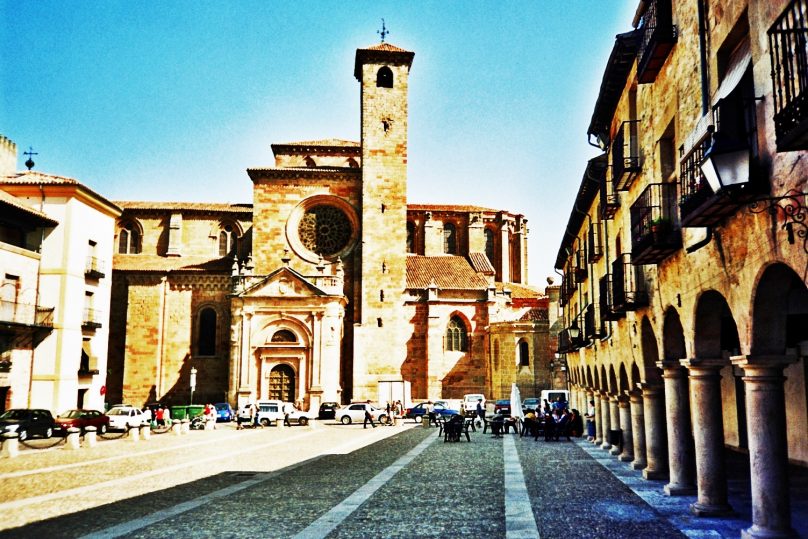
(725, 164)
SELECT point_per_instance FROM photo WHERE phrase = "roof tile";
(447, 271)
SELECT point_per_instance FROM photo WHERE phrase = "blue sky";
(175, 100)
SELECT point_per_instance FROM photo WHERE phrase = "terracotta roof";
(535, 314)
(447, 271)
(519, 290)
(33, 177)
(384, 47)
(156, 263)
(185, 206)
(481, 264)
(329, 143)
(449, 207)
(15, 202)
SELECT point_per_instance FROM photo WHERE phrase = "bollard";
(11, 444)
(425, 421)
(186, 426)
(90, 439)
(73, 441)
(145, 431)
(134, 434)
(176, 427)
(210, 425)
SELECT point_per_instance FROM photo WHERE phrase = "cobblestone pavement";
(328, 481)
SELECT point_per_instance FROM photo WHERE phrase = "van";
(269, 411)
(470, 403)
(552, 395)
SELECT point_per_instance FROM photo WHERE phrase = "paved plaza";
(343, 482)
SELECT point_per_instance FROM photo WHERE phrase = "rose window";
(324, 230)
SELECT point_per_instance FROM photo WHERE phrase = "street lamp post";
(193, 383)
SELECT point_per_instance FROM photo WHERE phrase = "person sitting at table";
(576, 425)
(530, 425)
(497, 425)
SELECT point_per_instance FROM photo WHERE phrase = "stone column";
(605, 423)
(614, 421)
(656, 445)
(708, 433)
(768, 445)
(590, 396)
(681, 466)
(627, 455)
(637, 429)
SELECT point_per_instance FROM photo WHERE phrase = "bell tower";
(379, 329)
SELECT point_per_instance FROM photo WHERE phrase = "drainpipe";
(705, 99)
(36, 294)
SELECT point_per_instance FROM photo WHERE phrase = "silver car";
(124, 417)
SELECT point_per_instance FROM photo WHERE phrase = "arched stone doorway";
(281, 383)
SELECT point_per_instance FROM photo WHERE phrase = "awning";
(739, 62)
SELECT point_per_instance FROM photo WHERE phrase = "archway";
(650, 353)
(282, 383)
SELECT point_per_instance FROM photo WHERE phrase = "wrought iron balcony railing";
(609, 200)
(91, 319)
(94, 268)
(593, 323)
(626, 155)
(655, 234)
(606, 299)
(594, 248)
(26, 314)
(628, 285)
(789, 58)
(658, 38)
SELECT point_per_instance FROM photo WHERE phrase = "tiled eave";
(304, 173)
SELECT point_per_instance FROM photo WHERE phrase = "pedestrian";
(480, 413)
(167, 415)
(590, 421)
(147, 415)
(389, 413)
(159, 416)
(254, 415)
(368, 417)
(286, 410)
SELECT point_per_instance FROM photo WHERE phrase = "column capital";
(749, 361)
(703, 363)
(669, 365)
(650, 389)
(635, 395)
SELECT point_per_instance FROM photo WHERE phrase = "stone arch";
(673, 337)
(715, 328)
(596, 380)
(589, 380)
(280, 323)
(129, 236)
(635, 375)
(384, 77)
(780, 311)
(604, 380)
(206, 330)
(612, 380)
(624, 384)
(457, 333)
(523, 354)
(282, 383)
(650, 353)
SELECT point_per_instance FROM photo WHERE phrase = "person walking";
(590, 421)
(480, 413)
(368, 417)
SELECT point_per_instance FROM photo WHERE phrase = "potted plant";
(660, 228)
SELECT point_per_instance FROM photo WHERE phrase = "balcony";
(654, 233)
(25, 314)
(94, 269)
(593, 324)
(607, 310)
(626, 155)
(91, 319)
(628, 285)
(789, 59)
(609, 200)
(594, 249)
(657, 40)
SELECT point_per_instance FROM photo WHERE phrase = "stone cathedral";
(329, 284)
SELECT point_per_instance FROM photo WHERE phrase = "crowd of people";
(553, 420)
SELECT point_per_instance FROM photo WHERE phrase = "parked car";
(356, 412)
(531, 403)
(224, 412)
(328, 410)
(470, 403)
(418, 411)
(124, 417)
(296, 416)
(503, 407)
(27, 422)
(81, 419)
(269, 412)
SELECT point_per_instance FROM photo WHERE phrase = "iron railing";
(628, 285)
(91, 319)
(657, 40)
(655, 232)
(626, 155)
(94, 267)
(26, 314)
(788, 48)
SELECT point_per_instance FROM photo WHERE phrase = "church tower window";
(129, 239)
(384, 78)
(456, 336)
(410, 237)
(206, 332)
(524, 354)
(449, 239)
(227, 240)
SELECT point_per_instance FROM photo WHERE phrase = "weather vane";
(383, 32)
(30, 153)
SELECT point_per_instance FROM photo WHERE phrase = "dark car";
(418, 411)
(81, 419)
(224, 412)
(328, 410)
(503, 407)
(27, 422)
(531, 403)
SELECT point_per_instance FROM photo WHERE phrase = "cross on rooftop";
(383, 32)
(30, 153)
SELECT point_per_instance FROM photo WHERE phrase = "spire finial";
(30, 153)
(383, 32)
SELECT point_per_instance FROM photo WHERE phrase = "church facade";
(329, 285)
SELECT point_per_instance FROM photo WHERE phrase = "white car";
(124, 417)
(356, 412)
(298, 416)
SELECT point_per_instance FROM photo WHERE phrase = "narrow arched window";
(384, 78)
(128, 239)
(449, 239)
(489, 244)
(310, 162)
(352, 163)
(524, 354)
(410, 237)
(456, 336)
(206, 339)
(227, 240)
